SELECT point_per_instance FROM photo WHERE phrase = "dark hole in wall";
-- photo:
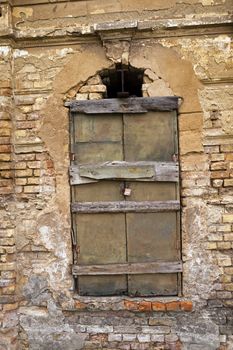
(123, 81)
(0, 12)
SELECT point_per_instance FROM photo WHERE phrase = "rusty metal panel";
(99, 191)
(150, 191)
(101, 240)
(150, 136)
(152, 237)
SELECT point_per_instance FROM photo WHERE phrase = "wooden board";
(124, 105)
(102, 285)
(149, 137)
(151, 191)
(128, 268)
(148, 285)
(126, 244)
(97, 139)
(99, 191)
(151, 237)
(142, 171)
(98, 128)
(125, 207)
(87, 152)
(101, 240)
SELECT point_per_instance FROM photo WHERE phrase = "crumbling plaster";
(41, 75)
(55, 134)
(53, 222)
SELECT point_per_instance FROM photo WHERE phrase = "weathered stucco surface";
(48, 53)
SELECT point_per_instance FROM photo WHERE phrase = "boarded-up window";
(125, 196)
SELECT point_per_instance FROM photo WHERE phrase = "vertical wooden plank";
(73, 228)
(96, 152)
(178, 197)
(98, 138)
(100, 191)
(153, 285)
(102, 285)
(151, 191)
(98, 128)
(152, 237)
(101, 240)
(149, 136)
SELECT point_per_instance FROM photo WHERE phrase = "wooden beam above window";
(124, 105)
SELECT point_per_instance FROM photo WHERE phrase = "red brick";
(131, 305)
(5, 140)
(5, 148)
(158, 306)
(79, 305)
(173, 306)
(186, 305)
(145, 306)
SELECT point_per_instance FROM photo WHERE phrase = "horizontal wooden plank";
(117, 170)
(125, 206)
(128, 268)
(142, 171)
(124, 105)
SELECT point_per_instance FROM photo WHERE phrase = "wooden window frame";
(145, 171)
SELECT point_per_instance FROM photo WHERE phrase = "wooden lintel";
(125, 206)
(128, 268)
(141, 171)
(124, 105)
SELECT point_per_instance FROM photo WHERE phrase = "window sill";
(124, 303)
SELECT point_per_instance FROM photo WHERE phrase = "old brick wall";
(49, 51)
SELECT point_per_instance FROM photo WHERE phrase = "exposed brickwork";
(159, 306)
(8, 298)
(52, 53)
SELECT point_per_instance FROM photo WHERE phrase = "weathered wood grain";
(125, 206)
(128, 268)
(141, 171)
(124, 105)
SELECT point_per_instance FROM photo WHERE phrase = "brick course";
(46, 60)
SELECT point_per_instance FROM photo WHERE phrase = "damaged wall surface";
(52, 52)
